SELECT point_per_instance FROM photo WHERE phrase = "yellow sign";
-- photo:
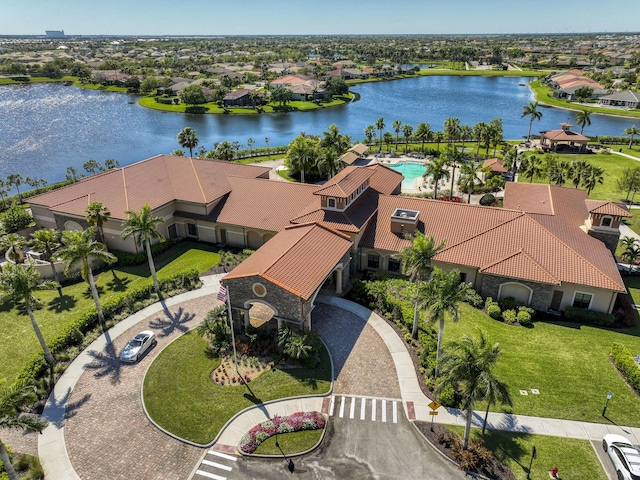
(433, 412)
(435, 405)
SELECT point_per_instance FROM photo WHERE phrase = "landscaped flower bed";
(293, 423)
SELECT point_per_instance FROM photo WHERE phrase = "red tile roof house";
(548, 247)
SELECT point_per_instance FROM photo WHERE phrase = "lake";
(46, 127)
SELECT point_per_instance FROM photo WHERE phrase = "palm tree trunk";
(467, 427)
(453, 175)
(47, 353)
(152, 266)
(302, 175)
(414, 330)
(94, 293)
(56, 277)
(439, 349)
(486, 415)
(4, 456)
(435, 187)
(529, 132)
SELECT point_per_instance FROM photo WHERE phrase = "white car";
(624, 456)
(138, 346)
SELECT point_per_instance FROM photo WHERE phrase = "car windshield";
(135, 343)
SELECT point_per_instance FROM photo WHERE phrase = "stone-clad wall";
(62, 219)
(540, 300)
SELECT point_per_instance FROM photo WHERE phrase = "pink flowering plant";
(293, 423)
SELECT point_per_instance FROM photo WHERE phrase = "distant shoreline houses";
(573, 84)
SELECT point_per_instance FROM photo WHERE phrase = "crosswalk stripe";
(210, 475)
(342, 407)
(395, 412)
(216, 465)
(373, 409)
(332, 405)
(384, 411)
(363, 408)
(223, 455)
(352, 410)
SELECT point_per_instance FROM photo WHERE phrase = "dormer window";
(606, 222)
(331, 203)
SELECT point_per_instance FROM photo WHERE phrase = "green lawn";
(180, 395)
(8, 81)
(290, 443)
(568, 363)
(18, 341)
(574, 458)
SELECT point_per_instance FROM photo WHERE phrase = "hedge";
(591, 317)
(128, 259)
(626, 365)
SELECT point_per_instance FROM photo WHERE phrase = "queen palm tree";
(302, 153)
(479, 132)
(98, 215)
(380, 126)
(329, 162)
(187, 139)
(17, 284)
(335, 140)
(79, 248)
(397, 126)
(453, 158)
(407, 130)
(423, 133)
(444, 292)
(468, 366)
(369, 133)
(470, 177)
(583, 117)
(144, 228)
(416, 263)
(632, 131)
(438, 137)
(466, 133)
(451, 129)
(533, 113)
(47, 242)
(436, 168)
(12, 402)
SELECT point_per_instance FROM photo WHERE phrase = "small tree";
(187, 139)
(98, 215)
(46, 241)
(16, 218)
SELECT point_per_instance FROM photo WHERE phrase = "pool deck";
(419, 183)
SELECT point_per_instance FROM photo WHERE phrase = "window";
(331, 203)
(394, 265)
(606, 222)
(373, 261)
(582, 300)
(192, 229)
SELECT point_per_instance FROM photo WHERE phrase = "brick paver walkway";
(106, 431)
(20, 441)
(361, 361)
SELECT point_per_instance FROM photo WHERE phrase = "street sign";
(433, 412)
(435, 405)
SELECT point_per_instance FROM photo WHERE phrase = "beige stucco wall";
(472, 273)
(602, 301)
(43, 217)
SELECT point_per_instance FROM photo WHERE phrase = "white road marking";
(363, 408)
(216, 465)
(210, 475)
(332, 405)
(223, 455)
(352, 410)
(384, 411)
(373, 409)
(395, 412)
(342, 408)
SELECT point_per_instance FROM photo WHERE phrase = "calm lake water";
(46, 127)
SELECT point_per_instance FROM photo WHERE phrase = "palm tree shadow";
(106, 364)
(507, 446)
(118, 284)
(62, 304)
(87, 293)
(59, 410)
(174, 321)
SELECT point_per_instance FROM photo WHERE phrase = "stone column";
(339, 281)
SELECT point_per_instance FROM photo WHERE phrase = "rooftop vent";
(404, 221)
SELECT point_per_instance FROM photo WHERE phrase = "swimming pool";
(411, 171)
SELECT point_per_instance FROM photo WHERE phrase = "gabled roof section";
(495, 164)
(157, 181)
(385, 180)
(604, 207)
(345, 182)
(529, 197)
(514, 265)
(562, 135)
(349, 157)
(298, 259)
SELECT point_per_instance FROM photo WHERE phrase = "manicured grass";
(18, 341)
(8, 81)
(99, 86)
(290, 443)
(261, 158)
(634, 222)
(574, 458)
(568, 363)
(285, 174)
(180, 395)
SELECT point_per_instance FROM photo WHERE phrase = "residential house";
(626, 99)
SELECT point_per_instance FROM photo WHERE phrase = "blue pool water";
(411, 171)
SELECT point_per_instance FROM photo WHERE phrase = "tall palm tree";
(302, 153)
(335, 140)
(533, 113)
(397, 126)
(444, 292)
(98, 215)
(632, 131)
(380, 126)
(496, 134)
(451, 129)
(143, 227)
(12, 402)
(466, 133)
(583, 118)
(329, 162)
(187, 139)
(423, 133)
(18, 283)
(369, 133)
(407, 130)
(453, 158)
(479, 132)
(470, 177)
(437, 168)
(468, 366)
(79, 248)
(416, 263)
(47, 242)
(388, 140)
(438, 137)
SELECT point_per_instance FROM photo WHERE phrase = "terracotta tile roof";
(345, 182)
(529, 197)
(564, 136)
(513, 266)
(156, 181)
(385, 180)
(604, 207)
(495, 165)
(284, 260)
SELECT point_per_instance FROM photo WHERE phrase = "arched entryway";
(521, 293)
(254, 240)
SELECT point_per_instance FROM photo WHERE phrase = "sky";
(294, 17)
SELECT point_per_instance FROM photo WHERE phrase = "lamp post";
(604, 410)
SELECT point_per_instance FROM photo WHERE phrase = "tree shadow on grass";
(62, 304)
(505, 445)
(172, 322)
(87, 293)
(117, 284)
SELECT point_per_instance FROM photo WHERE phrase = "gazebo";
(564, 136)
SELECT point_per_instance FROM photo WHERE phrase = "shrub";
(15, 218)
(487, 200)
(474, 299)
(488, 301)
(591, 317)
(447, 396)
(524, 317)
(624, 311)
(529, 310)
(509, 316)
(626, 365)
(128, 259)
(507, 303)
(493, 310)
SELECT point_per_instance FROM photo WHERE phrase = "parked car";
(624, 456)
(138, 346)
